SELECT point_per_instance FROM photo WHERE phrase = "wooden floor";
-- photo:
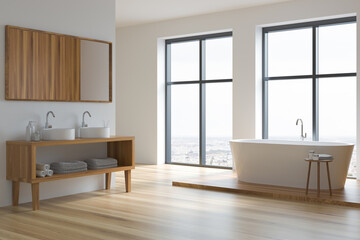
(157, 210)
(226, 181)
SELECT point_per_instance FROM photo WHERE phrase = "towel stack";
(43, 170)
(325, 157)
(100, 163)
(68, 167)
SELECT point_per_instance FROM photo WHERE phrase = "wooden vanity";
(21, 163)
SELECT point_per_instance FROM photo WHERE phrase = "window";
(199, 100)
(309, 72)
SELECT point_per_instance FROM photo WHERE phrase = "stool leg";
(328, 173)
(308, 178)
(318, 179)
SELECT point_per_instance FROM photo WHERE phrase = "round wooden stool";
(318, 174)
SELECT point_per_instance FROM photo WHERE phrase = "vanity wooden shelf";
(21, 163)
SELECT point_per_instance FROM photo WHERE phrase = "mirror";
(94, 71)
(45, 66)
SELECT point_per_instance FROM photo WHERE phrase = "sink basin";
(94, 132)
(53, 134)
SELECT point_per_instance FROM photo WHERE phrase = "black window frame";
(315, 76)
(201, 82)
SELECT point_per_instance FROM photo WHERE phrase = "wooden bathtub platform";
(226, 181)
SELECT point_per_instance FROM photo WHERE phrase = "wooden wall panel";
(70, 68)
(41, 63)
(44, 66)
(55, 60)
(18, 64)
(33, 65)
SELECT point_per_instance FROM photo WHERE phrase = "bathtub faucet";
(302, 136)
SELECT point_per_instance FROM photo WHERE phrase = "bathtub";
(281, 163)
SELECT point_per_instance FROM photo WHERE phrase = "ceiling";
(133, 12)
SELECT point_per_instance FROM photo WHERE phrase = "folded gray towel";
(325, 157)
(101, 161)
(69, 171)
(94, 165)
(101, 167)
(68, 165)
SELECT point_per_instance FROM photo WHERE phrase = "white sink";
(94, 132)
(53, 134)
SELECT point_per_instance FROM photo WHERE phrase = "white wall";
(86, 18)
(138, 105)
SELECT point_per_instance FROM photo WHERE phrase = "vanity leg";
(318, 179)
(35, 196)
(128, 180)
(108, 180)
(15, 193)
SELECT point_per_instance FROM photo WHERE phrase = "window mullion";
(265, 132)
(168, 104)
(202, 157)
(315, 84)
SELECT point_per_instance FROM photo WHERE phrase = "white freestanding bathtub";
(281, 163)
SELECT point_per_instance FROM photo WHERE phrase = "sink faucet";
(302, 136)
(47, 119)
(83, 124)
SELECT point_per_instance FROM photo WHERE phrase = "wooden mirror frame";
(45, 66)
